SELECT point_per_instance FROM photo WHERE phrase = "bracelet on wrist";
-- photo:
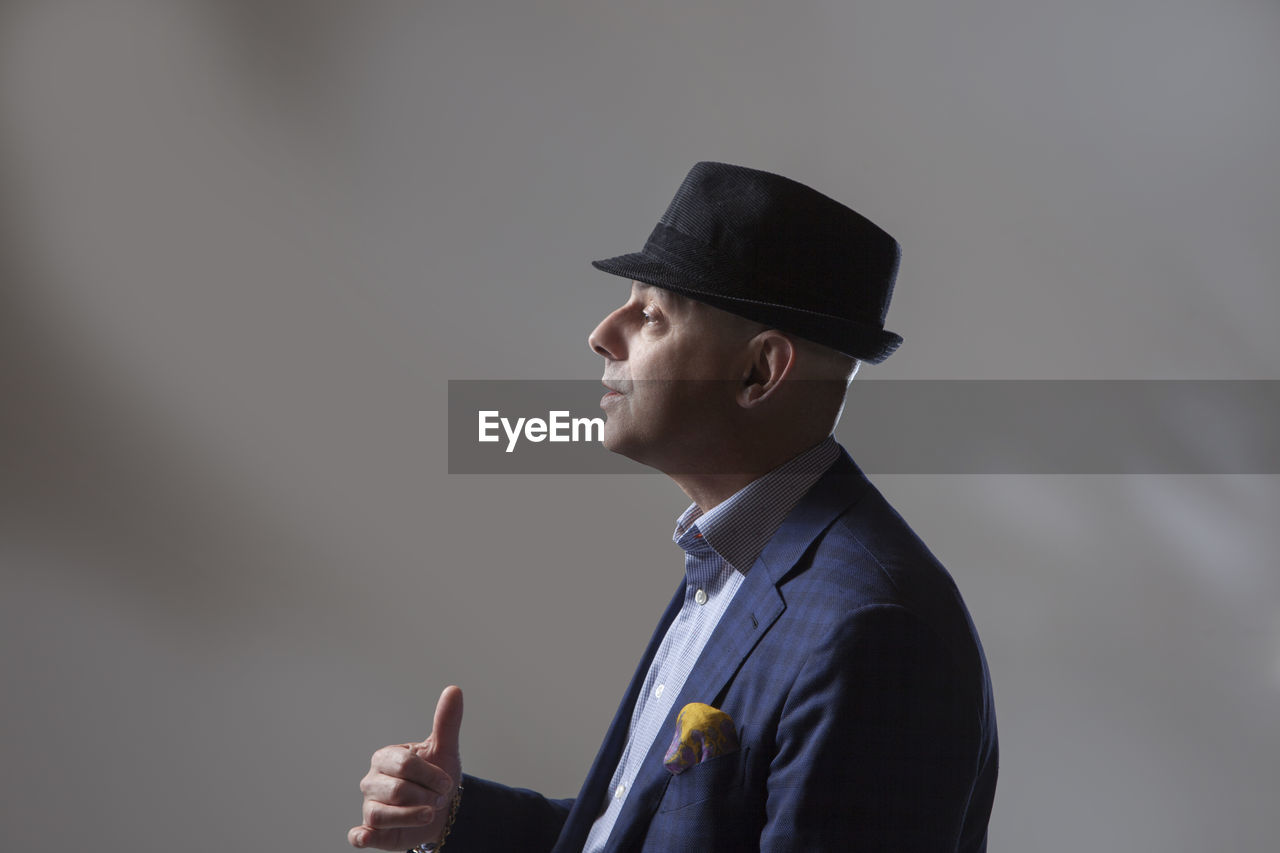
(433, 846)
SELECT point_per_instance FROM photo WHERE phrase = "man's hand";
(410, 786)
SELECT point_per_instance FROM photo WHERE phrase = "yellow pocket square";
(702, 733)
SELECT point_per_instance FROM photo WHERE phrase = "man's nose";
(606, 339)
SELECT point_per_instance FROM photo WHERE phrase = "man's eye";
(648, 318)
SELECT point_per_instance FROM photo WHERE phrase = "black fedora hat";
(775, 251)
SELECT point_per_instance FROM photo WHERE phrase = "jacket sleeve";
(878, 742)
(494, 818)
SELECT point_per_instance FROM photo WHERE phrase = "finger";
(447, 724)
(402, 792)
(400, 763)
(385, 839)
(359, 836)
(382, 816)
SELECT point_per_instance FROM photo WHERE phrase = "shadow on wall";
(95, 478)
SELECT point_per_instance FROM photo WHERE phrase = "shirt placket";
(701, 564)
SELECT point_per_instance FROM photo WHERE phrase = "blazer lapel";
(753, 611)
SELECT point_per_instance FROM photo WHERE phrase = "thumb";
(447, 724)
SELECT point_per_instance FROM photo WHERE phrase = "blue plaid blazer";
(861, 696)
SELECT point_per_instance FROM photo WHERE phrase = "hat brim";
(854, 339)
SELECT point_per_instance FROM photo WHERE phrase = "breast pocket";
(718, 779)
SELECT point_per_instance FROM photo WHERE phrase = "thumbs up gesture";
(409, 788)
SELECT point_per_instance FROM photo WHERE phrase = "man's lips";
(611, 393)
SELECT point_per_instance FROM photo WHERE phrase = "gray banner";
(919, 427)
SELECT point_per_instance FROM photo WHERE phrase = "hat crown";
(830, 258)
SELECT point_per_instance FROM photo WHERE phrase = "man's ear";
(771, 356)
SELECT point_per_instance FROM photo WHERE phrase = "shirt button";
(700, 596)
(657, 691)
(619, 792)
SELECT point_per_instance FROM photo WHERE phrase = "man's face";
(672, 365)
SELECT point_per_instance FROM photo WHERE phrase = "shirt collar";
(739, 527)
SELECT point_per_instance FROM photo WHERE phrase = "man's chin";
(614, 439)
(617, 440)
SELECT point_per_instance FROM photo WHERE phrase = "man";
(816, 683)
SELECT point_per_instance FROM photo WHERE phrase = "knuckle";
(376, 815)
(369, 783)
(398, 792)
(392, 761)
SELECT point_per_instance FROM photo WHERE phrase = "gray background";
(245, 244)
